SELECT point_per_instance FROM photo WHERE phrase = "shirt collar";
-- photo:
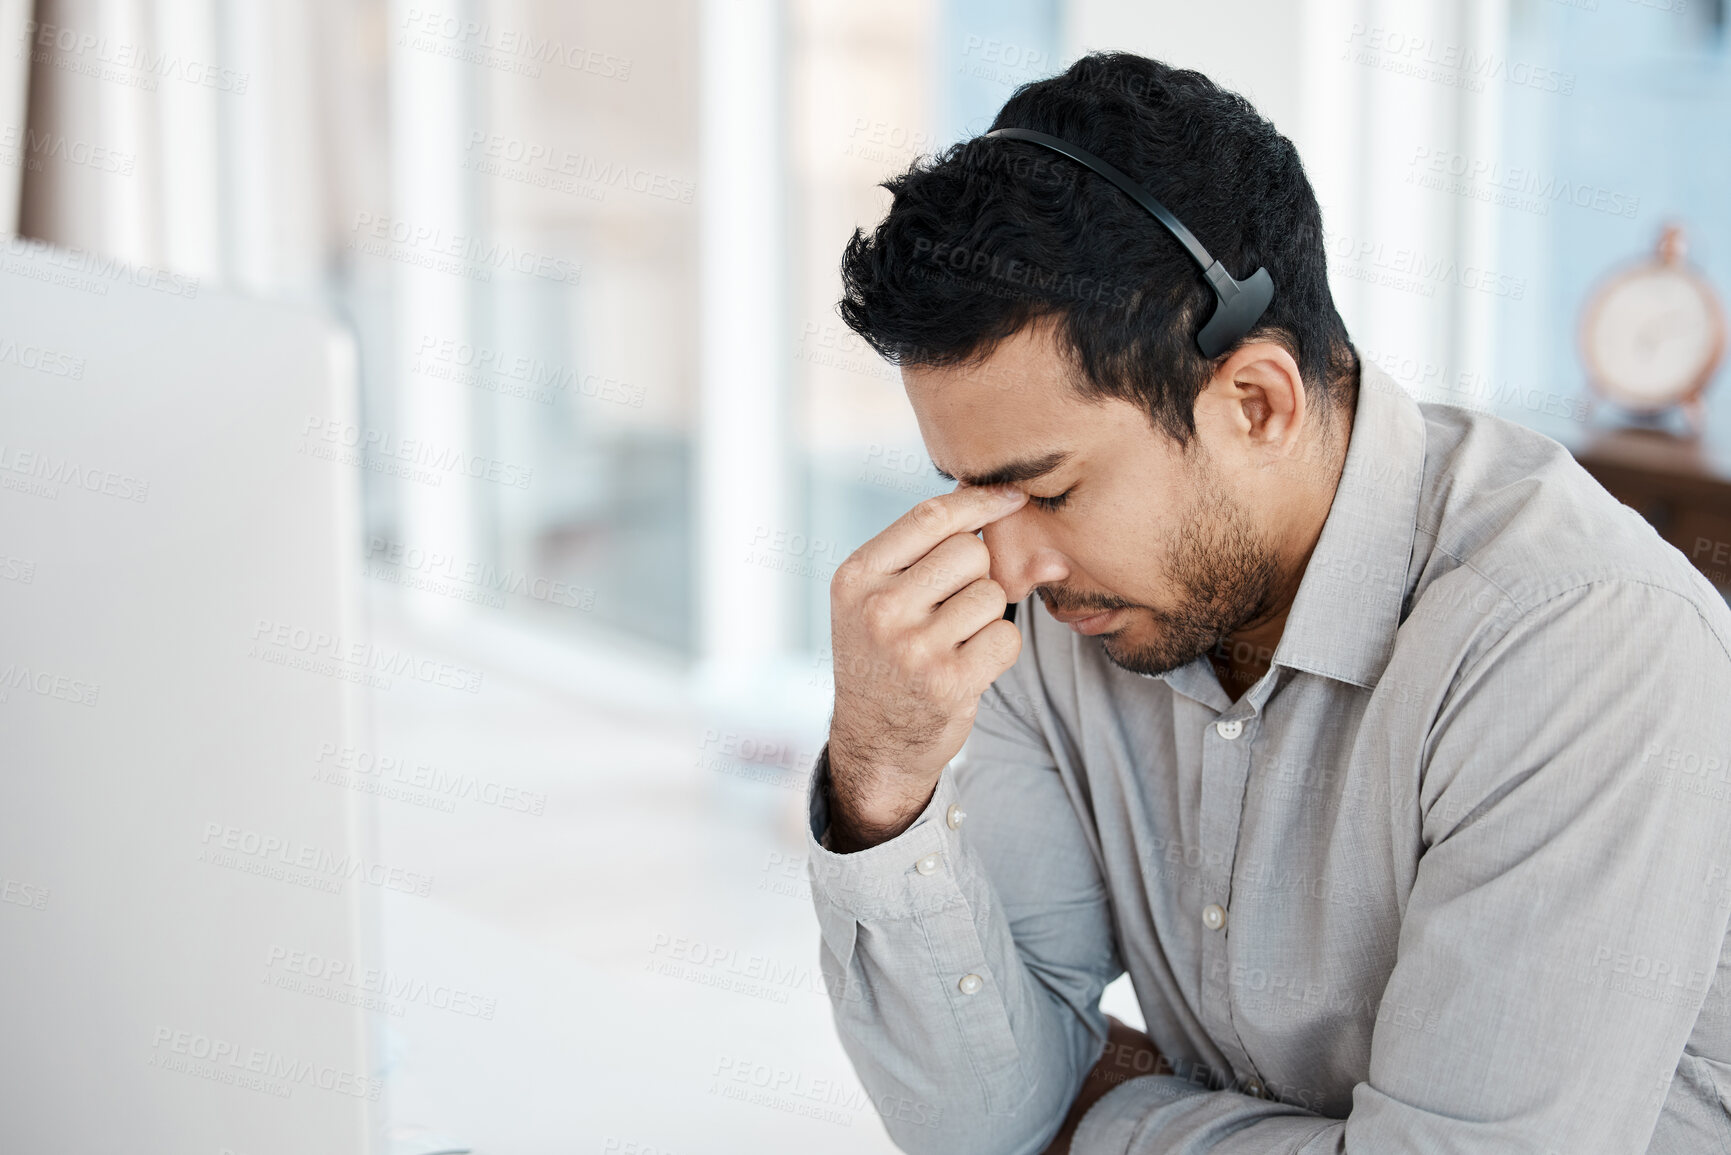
(1349, 603)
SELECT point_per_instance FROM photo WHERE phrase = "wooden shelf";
(1679, 484)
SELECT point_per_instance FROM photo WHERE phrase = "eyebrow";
(1026, 469)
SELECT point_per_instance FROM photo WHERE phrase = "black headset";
(1241, 303)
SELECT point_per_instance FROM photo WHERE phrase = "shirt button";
(927, 865)
(971, 984)
(954, 815)
(1229, 730)
(1214, 916)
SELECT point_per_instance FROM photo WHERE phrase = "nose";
(1021, 556)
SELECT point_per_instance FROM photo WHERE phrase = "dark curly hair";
(991, 235)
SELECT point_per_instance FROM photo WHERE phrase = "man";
(1384, 750)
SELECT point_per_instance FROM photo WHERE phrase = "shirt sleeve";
(966, 956)
(1567, 916)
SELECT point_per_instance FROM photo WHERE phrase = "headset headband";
(1241, 303)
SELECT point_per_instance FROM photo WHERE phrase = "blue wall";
(1649, 119)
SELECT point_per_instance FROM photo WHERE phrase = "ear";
(1257, 400)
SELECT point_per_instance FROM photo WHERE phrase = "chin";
(1131, 649)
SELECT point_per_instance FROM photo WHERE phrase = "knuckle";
(977, 556)
(942, 681)
(927, 515)
(877, 611)
(999, 643)
(912, 651)
(846, 577)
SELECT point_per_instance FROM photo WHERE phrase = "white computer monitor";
(185, 913)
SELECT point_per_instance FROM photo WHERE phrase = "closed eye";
(1056, 502)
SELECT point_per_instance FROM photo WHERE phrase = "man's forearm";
(1128, 1054)
(859, 816)
(941, 1017)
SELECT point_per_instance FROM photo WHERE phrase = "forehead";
(1013, 406)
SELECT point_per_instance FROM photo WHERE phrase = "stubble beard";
(1225, 576)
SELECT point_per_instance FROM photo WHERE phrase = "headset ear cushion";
(1232, 319)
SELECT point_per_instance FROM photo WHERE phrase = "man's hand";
(1129, 1054)
(917, 629)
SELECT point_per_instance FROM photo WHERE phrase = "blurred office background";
(594, 246)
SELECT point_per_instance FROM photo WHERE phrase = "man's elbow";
(961, 1125)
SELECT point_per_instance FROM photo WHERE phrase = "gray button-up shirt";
(1454, 876)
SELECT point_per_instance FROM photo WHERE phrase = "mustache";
(1068, 602)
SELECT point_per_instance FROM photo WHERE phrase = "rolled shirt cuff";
(1114, 1121)
(896, 878)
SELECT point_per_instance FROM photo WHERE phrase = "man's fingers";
(990, 652)
(970, 610)
(912, 536)
(953, 563)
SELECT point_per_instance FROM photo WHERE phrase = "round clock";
(1652, 334)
